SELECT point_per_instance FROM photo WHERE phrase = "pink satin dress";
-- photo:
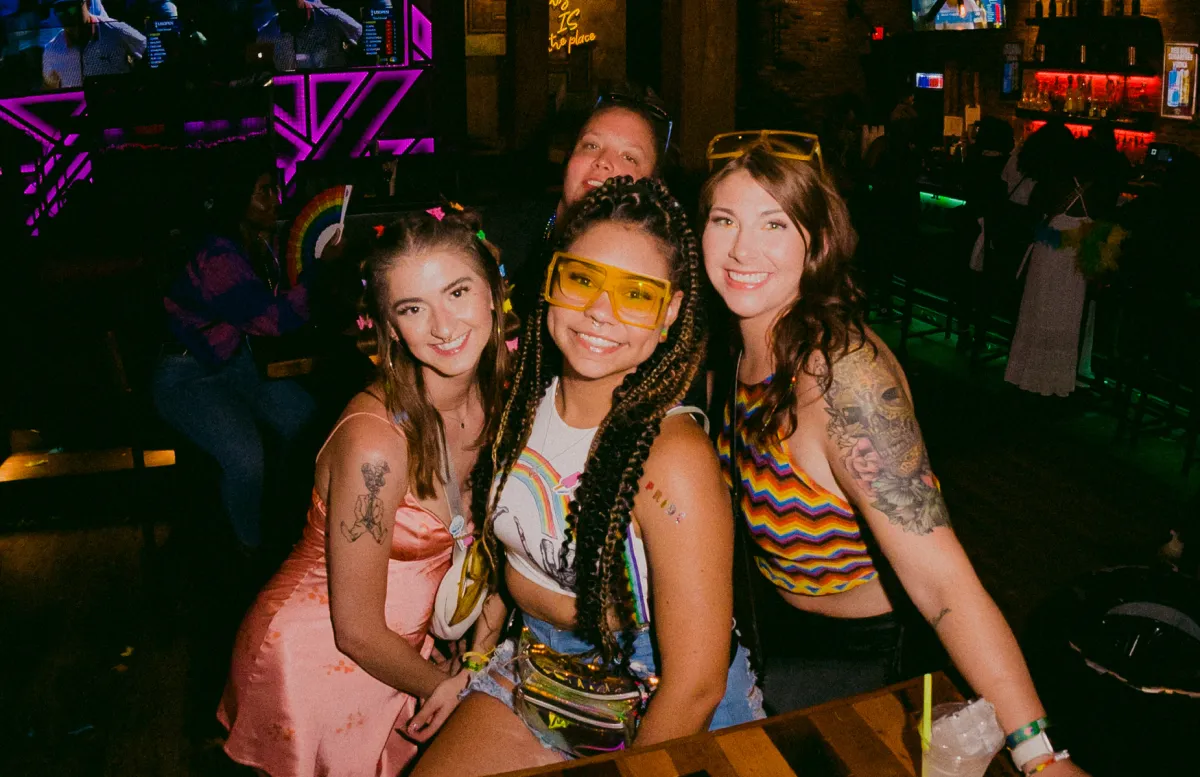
(296, 706)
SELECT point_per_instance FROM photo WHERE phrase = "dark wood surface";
(873, 735)
(35, 466)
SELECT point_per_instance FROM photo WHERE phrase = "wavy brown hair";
(598, 521)
(414, 235)
(828, 317)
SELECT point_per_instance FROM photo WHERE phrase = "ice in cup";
(965, 739)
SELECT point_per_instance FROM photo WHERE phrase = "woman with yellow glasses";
(618, 559)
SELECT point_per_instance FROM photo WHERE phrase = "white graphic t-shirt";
(531, 516)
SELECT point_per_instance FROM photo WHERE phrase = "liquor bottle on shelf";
(1118, 7)
(1039, 10)
(1053, 8)
(1070, 9)
(1137, 8)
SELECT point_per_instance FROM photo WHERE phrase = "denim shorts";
(742, 703)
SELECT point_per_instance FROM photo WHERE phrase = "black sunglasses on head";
(638, 103)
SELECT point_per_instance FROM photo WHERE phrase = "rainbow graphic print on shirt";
(551, 494)
(809, 539)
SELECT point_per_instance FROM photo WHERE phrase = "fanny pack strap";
(453, 492)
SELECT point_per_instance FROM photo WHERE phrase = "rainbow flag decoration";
(314, 227)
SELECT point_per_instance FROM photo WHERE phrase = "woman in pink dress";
(335, 653)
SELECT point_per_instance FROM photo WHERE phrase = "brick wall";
(806, 52)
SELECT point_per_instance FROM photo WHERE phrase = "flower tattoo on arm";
(872, 422)
(368, 512)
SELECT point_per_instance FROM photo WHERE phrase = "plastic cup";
(966, 737)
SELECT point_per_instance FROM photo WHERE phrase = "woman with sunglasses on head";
(334, 654)
(832, 476)
(627, 133)
(613, 551)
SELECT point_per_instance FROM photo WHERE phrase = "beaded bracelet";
(1027, 732)
(474, 661)
(1061, 755)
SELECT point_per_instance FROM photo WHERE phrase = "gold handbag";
(577, 703)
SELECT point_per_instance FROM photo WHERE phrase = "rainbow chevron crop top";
(809, 539)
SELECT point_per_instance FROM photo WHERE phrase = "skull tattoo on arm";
(872, 422)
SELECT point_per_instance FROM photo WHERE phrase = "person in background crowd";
(207, 384)
(841, 142)
(893, 205)
(307, 34)
(335, 653)
(1106, 168)
(627, 133)
(822, 445)
(89, 45)
(1044, 356)
(987, 198)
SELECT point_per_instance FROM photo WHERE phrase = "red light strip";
(1067, 74)
(1083, 130)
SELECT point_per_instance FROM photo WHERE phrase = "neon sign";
(567, 35)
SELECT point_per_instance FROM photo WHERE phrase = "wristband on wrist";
(1026, 732)
(1035, 747)
(1061, 755)
(474, 661)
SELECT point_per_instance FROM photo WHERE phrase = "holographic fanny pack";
(577, 703)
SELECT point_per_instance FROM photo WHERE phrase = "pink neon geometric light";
(422, 36)
(47, 189)
(325, 125)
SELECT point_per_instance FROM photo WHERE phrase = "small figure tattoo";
(368, 512)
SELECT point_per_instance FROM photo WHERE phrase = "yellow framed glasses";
(575, 283)
(785, 144)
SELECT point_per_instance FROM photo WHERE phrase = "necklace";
(550, 226)
(461, 418)
(462, 421)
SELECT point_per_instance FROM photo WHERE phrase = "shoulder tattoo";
(872, 422)
(662, 501)
(368, 511)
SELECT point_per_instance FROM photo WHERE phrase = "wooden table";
(873, 735)
(38, 466)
